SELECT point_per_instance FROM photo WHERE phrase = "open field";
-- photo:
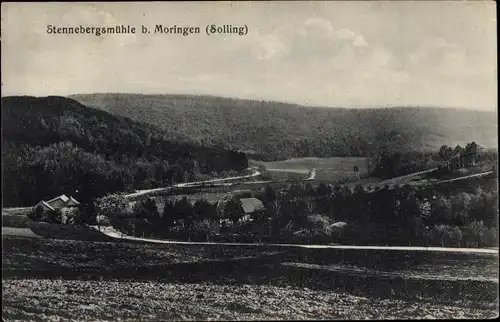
(22, 232)
(43, 299)
(44, 277)
(16, 211)
(337, 163)
(337, 169)
(15, 221)
(287, 175)
(86, 258)
(19, 225)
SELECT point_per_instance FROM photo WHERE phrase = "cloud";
(357, 40)
(437, 53)
(320, 23)
(271, 47)
(325, 28)
(354, 53)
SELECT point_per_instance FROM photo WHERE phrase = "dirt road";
(256, 173)
(111, 232)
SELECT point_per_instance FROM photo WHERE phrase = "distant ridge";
(269, 101)
(276, 130)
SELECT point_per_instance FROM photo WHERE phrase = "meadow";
(337, 163)
(332, 170)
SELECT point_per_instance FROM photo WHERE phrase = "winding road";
(256, 173)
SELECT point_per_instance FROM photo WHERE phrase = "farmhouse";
(65, 204)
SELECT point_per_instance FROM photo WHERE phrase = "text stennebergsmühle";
(211, 29)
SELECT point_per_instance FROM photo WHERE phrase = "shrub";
(492, 237)
(85, 215)
(112, 205)
(453, 236)
(208, 228)
(204, 210)
(37, 213)
(53, 216)
(318, 222)
(102, 220)
(443, 235)
(230, 209)
(183, 213)
(112, 209)
(71, 216)
(475, 234)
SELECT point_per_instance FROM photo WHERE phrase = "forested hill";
(55, 145)
(279, 130)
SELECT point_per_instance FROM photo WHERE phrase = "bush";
(453, 236)
(492, 237)
(230, 209)
(475, 234)
(71, 216)
(53, 216)
(37, 213)
(318, 222)
(85, 215)
(204, 210)
(102, 220)
(443, 235)
(112, 205)
(207, 228)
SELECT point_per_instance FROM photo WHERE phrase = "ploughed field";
(44, 279)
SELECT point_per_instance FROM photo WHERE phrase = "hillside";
(55, 145)
(272, 130)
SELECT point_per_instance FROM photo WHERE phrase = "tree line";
(388, 165)
(319, 214)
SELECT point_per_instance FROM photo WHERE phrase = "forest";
(272, 131)
(55, 145)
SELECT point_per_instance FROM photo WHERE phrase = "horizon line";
(302, 105)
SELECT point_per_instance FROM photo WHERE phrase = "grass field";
(24, 232)
(287, 175)
(337, 169)
(15, 221)
(45, 278)
(20, 225)
(338, 163)
(17, 211)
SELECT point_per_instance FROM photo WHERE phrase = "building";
(250, 206)
(67, 206)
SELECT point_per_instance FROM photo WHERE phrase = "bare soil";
(48, 300)
(47, 279)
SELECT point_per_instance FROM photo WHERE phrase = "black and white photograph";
(249, 160)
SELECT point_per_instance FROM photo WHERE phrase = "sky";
(336, 53)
